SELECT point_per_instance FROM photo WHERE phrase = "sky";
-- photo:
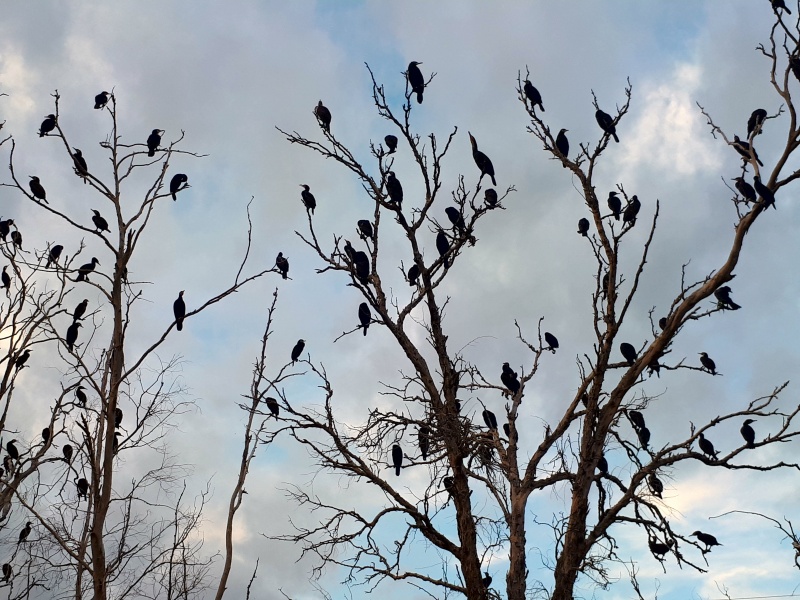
(228, 74)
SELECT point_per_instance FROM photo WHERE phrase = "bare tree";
(487, 473)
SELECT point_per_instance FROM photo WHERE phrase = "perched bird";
(46, 435)
(776, 4)
(115, 443)
(644, 437)
(364, 316)
(5, 228)
(12, 450)
(79, 163)
(391, 143)
(84, 270)
(361, 267)
(6, 278)
(745, 189)
(83, 488)
(47, 125)
(16, 238)
(22, 359)
(552, 342)
(655, 485)
(273, 406)
(662, 322)
(72, 335)
(765, 193)
(179, 181)
(483, 162)
(708, 363)
(397, 459)
(723, 296)
(80, 396)
(449, 483)
(53, 255)
(365, 230)
(636, 418)
(100, 223)
(67, 452)
(424, 441)
(707, 447)
(26, 531)
(117, 417)
(101, 100)
(794, 65)
(629, 216)
(37, 189)
(80, 310)
(583, 227)
(614, 204)
(748, 433)
(490, 198)
(509, 379)
(562, 143)
(490, 419)
(413, 275)
(179, 310)
(394, 189)
(534, 97)
(416, 80)
(744, 149)
(298, 350)
(654, 367)
(443, 247)
(756, 119)
(602, 465)
(349, 251)
(308, 198)
(706, 538)
(487, 580)
(323, 116)
(456, 218)
(153, 141)
(507, 430)
(629, 352)
(7, 572)
(658, 549)
(282, 263)
(606, 123)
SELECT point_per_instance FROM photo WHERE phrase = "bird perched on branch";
(583, 227)
(644, 437)
(443, 247)
(6, 278)
(298, 350)
(22, 359)
(708, 363)
(723, 296)
(745, 189)
(83, 489)
(308, 198)
(748, 433)
(178, 182)
(756, 119)
(413, 275)
(655, 485)
(509, 379)
(16, 238)
(424, 441)
(490, 198)
(602, 465)
(706, 538)
(26, 531)
(364, 316)
(629, 352)
(5, 228)
(490, 419)
(765, 193)
(658, 549)
(391, 143)
(606, 123)
(636, 418)
(456, 218)
(365, 230)
(53, 255)
(153, 141)
(552, 342)
(533, 96)
(562, 144)
(79, 164)
(72, 335)
(415, 79)
(629, 216)
(614, 204)
(12, 450)
(7, 572)
(282, 264)
(80, 396)
(361, 267)
(67, 452)
(100, 223)
(47, 125)
(37, 189)
(776, 4)
(273, 406)
(323, 116)
(46, 435)
(80, 310)
(179, 310)
(101, 100)
(707, 447)
(744, 149)
(394, 189)
(484, 163)
(84, 270)
(397, 459)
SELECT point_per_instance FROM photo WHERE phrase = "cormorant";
(448, 483)
(490, 419)
(487, 580)
(636, 418)
(583, 227)
(84, 270)
(53, 255)
(47, 125)
(662, 322)
(365, 229)
(26, 531)
(745, 189)
(308, 198)
(707, 447)
(424, 441)
(776, 4)
(614, 204)
(413, 275)
(5, 228)
(394, 189)
(178, 182)
(37, 189)
(744, 149)
(115, 443)
(723, 296)
(416, 80)
(456, 218)
(483, 162)
(490, 198)
(6, 572)
(283, 265)
(16, 238)
(658, 549)
(72, 335)
(507, 430)
(349, 251)
(391, 143)
(67, 452)
(443, 246)
(708, 539)
(83, 488)
(81, 168)
(708, 363)
(80, 310)
(629, 216)
(562, 143)
(764, 192)
(552, 342)
(101, 100)
(100, 223)
(604, 284)
(509, 379)
(22, 359)
(606, 123)
(629, 352)
(117, 417)
(535, 97)
(153, 140)
(6, 278)
(748, 433)
(8, 464)
(397, 459)
(273, 406)
(46, 435)
(362, 268)
(757, 117)
(323, 116)
(794, 65)
(602, 464)
(12, 450)
(364, 316)
(644, 437)
(655, 485)
(80, 396)
(298, 350)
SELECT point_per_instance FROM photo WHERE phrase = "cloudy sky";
(228, 73)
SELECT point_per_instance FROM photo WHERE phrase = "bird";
(602, 464)
(397, 459)
(614, 204)
(72, 335)
(424, 441)
(394, 189)
(658, 549)
(26, 531)
(323, 116)
(757, 117)
(179, 310)
(644, 437)
(534, 96)
(583, 227)
(456, 218)
(449, 483)
(80, 310)
(83, 488)
(364, 316)
(80, 395)
(794, 65)
(100, 223)
(629, 352)
(416, 80)
(5, 228)
(365, 230)
(483, 161)
(748, 433)
(67, 452)
(282, 263)
(636, 418)
(101, 100)
(509, 379)
(413, 275)
(776, 4)
(552, 342)
(349, 251)
(490, 419)
(153, 141)
(764, 192)
(655, 485)
(723, 296)
(490, 198)
(629, 216)
(178, 182)
(562, 143)
(47, 125)
(487, 580)
(6, 572)
(37, 189)
(662, 322)
(53, 255)
(708, 363)
(361, 266)
(16, 238)
(81, 168)
(708, 539)
(84, 270)
(391, 143)
(308, 198)
(46, 435)
(6, 278)
(12, 450)
(443, 247)
(298, 350)
(707, 447)
(745, 189)
(745, 150)
(115, 443)
(273, 406)
(22, 359)
(117, 417)
(606, 123)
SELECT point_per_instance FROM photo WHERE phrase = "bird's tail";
(419, 101)
(616, 139)
(365, 329)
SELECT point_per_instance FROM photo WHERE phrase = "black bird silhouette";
(662, 322)
(179, 310)
(755, 121)
(507, 430)
(7, 572)
(349, 251)
(84, 270)
(99, 222)
(707, 447)
(655, 485)
(5, 228)
(26, 531)
(534, 96)
(706, 538)
(12, 450)
(79, 164)
(552, 342)
(583, 227)
(273, 406)
(282, 263)
(765, 193)
(562, 144)
(443, 246)
(794, 65)
(490, 419)
(67, 452)
(424, 441)
(487, 580)
(397, 459)
(361, 266)
(394, 189)
(323, 116)
(748, 433)
(745, 189)
(490, 198)
(364, 316)
(391, 143)
(22, 359)
(723, 296)
(308, 198)
(117, 417)
(37, 189)
(744, 149)
(101, 100)
(178, 182)
(509, 379)
(483, 162)
(46, 435)
(83, 488)
(298, 350)
(602, 464)
(606, 123)
(629, 216)
(80, 310)
(47, 125)
(636, 418)
(776, 4)
(115, 443)
(365, 229)
(53, 255)
(708, 363)
(413, 275)
(72, 335)
(16, 238)
(416, 80)
(80, 396)
(658, 549)
(456, 218)
(153, 141)
(629, 352)
(614, 204)
(6, 278)
(644, 437)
